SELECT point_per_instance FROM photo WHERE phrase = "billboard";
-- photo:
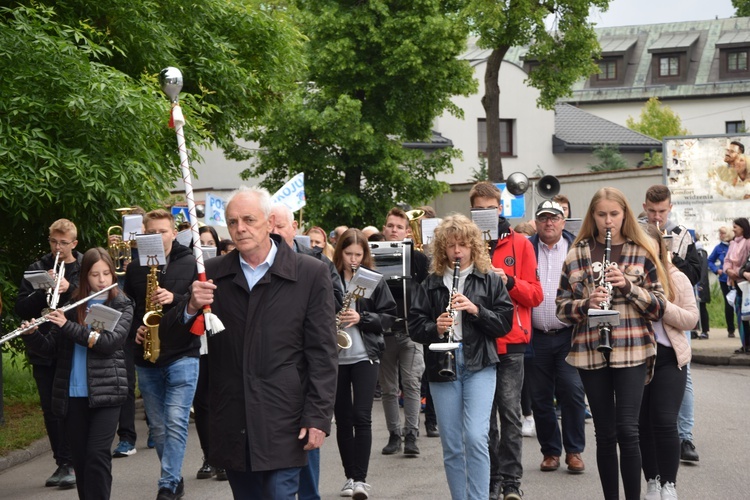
(709, 188)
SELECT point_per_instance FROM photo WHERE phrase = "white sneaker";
(668, 492)
(653, 490)
(348, 488)
(361, 491)
(528, 429)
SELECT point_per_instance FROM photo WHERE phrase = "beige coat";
(680, 315)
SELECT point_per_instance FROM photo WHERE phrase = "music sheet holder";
(393, 261)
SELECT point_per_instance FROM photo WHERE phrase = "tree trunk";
(491, 103)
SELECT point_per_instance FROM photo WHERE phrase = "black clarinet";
(605, 330)
(449, 360)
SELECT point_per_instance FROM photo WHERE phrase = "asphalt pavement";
(722, 391)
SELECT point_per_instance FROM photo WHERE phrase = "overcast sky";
(629, 12)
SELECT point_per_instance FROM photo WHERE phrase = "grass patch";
(715, 308)
(24, 422)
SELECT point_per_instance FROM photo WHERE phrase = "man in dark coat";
(273, 370)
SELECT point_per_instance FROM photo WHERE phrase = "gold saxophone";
(152, 318)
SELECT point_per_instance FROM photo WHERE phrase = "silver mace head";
(170, 80)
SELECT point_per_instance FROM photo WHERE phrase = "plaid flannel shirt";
(633, 340)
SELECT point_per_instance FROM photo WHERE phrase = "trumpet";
(53, 294)
(20, 331)
(415, 223)
(120, 251)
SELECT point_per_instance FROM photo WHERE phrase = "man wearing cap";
(551, 376)
(513, 260)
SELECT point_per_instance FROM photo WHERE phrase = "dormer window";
(737, 61)
(734, 48)
(613, 65)
(669, 65)
(607, 70)
(670, 57)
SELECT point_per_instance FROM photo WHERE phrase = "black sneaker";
(221, 474)
(410, 444)
(693, 334)
(703, 335)
(512, 492)
(432, 430)
(730, 335)
(495, 487)
(67, 477)
(167, 494)
(54, 479)
(393, 446)
(687, 451)
(206, 471)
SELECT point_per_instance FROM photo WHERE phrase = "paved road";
(723, 403)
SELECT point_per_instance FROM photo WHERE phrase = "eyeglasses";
(549, 218)
(62, 243)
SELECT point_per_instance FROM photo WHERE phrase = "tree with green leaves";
(742, 8)
(83, 124)
(657, 120)
(609, 158)
(560, 56)
(379, 73)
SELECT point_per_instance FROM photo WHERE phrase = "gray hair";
(283, 211)
(261, 194)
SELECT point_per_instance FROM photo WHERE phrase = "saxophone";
(343, 339)
(605, 330)
(152, 318)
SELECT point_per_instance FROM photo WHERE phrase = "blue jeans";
(309, 477)
(167, 395)
(463, 413)
(686, 418)
(552, 376)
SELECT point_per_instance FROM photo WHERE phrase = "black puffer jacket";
(376, 314)
(105, 361)
(479, 332)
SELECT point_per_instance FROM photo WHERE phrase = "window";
(737, 61)
(607, 70)
(669, 65)
(735, 127)
(506, 137)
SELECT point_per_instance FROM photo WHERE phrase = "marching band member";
(29, 304)
(90, 382)
(463, 399)
(364, 320)
(613, 381)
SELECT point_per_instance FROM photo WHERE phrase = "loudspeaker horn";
(517, 183)
(548, 186)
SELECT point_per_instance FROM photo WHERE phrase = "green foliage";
(653, 159)
(379, 73)
(480, 174)
(83, 124)
(742, 8)
(657, 120)
(561, 56)
(609, 158)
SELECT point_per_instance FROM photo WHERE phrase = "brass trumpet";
(415, 219)
(119, 250)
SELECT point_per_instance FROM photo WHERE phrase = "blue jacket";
(716, 259)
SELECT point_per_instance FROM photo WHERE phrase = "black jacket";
(338, 288)
(180, 273)
(30, 302)
(105, 361)
(479, 332)
(376, 315)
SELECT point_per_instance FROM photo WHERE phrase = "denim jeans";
(506, 443)
(309, 477)
(167, 395)
(463, 413)
(686, 416)
(551, 376)
(401, 353)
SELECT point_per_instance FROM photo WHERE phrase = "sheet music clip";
(599, 317)
(444, 346)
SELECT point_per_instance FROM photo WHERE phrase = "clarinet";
(605, 330)
(448, 363)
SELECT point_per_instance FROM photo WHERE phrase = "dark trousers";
(126, 425)
(615, 396)
(705, 323)
(526, 409)
(728, 309)
(551, 376)
(506, 441)
(44, 376)
(91, 432)
(429, 407)
(660, 443)
(200, 405)
(279, 484)
(353, 410)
